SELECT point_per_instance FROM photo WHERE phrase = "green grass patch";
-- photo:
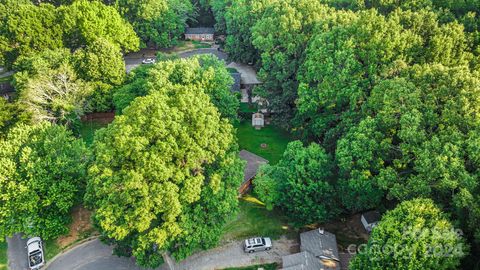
(251, 139)
(270, 266)
(3, 255)
(87, 130)
(253, 220)
(51, 249)
(248, 108)
(232, 70)
(200, 45)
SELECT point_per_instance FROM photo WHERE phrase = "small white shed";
(258, 120)
(370, 219)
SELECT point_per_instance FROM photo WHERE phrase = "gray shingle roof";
(321, 245)
(306, 261)
(253, 163)
(199, 30)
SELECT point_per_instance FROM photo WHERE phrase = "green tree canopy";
(202, 72)
(352, 53)
(418, 141)
(240, 17)
(42, 172)
(301, 184)
(55, 95)
(157, 22)
(84, 22)
(26, 29)
(101, 61)
(10, 115)
(415, 235)
(154, 169)
(281, 36)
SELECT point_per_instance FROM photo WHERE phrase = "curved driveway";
(92, 255)
(95, 255)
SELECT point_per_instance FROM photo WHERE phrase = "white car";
(148, 61)
(35, 253)
(257, 244)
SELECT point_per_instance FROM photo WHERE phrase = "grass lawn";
(254, 219)
(3, 255)
(186, 45)
(51, 249)
(87, 130)
(270, 266)
(251, 139)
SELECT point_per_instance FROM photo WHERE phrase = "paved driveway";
(232, 255)
(94, 255)
(17, 253)
(221, 55)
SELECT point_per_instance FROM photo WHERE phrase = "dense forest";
(383, 96)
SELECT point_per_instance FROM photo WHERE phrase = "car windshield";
(35, 258)
(263, 241)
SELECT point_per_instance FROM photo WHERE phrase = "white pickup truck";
(35, 253)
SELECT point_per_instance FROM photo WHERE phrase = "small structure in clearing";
(258, 120)
(370, 219)
(253, 163)
(200, 33)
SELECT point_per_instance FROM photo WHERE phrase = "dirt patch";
(80, 228)
(104, 118)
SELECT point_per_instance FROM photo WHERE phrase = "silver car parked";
(35, 253)
(257, 244)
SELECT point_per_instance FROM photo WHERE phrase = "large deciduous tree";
(281, 36)
(240, 17)
(351, 53)
(26, 29)
(55, 95)
(202, 72)
(157, 22)
(414, 235)
(84, 22)
(42, 173)
(302, 184)
(165, 174)
(417, 142)
(100, 61)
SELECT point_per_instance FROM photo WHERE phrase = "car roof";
(33, 246)
(255, 240)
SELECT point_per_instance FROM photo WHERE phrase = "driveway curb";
(70, 248)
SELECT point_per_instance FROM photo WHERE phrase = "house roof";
(371, 216)
(306, 261)
(320, 244)
(199, 30)
(253, 163)
(249, 75)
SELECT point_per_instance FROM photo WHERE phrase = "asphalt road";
(221, 55)
(92, 255)
(133, 60)
(17, 253)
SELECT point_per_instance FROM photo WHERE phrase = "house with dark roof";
(318, 251)
(370, 219)
(200, 33)
(253, 163)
